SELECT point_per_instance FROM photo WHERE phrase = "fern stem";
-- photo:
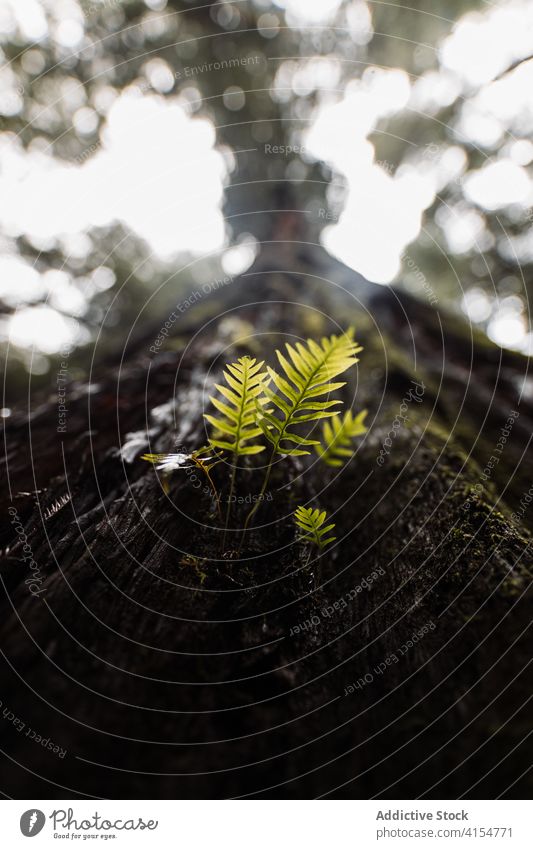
(215, 493)
(297, 398)
(255, 507)
(234, 470)
(228, 508)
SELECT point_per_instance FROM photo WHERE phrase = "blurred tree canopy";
(261, 74)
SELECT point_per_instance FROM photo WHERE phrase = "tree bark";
(396, 665)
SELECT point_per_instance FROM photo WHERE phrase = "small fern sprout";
(309, 372)
(338, 433)
(311, 525)
(237, 430)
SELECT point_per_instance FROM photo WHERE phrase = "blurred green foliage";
(228, 62)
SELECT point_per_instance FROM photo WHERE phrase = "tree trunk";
(396, 665)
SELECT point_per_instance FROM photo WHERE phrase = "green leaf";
(299, 440)
(311, 524)
(308, 370)
(225, 409)
(239, 423)
(251, 449)
(338, 434)
(266, 416)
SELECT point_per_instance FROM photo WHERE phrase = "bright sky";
(383, 213)
(309, 11)
(157, 170)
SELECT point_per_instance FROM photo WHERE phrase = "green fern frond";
(237, 426)
(311, 524)
(309, 372)
(338, 434)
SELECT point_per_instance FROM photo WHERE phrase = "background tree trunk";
(166, 670)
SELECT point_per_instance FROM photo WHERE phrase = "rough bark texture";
(166, 670)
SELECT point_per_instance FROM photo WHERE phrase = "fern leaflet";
(308, 377)
(311, 524)
(338, 434)
(245, 387)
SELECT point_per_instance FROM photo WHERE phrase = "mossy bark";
(396, 665)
